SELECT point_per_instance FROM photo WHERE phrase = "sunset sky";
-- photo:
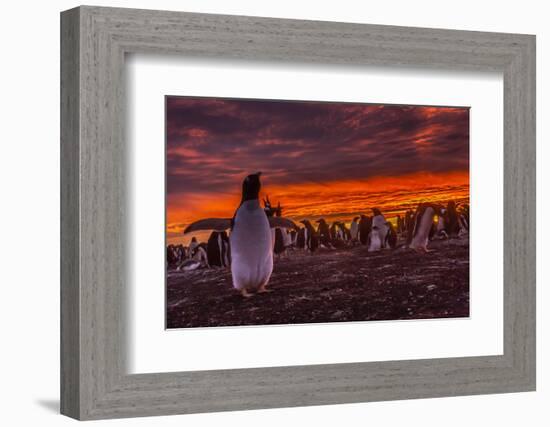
(334, 160)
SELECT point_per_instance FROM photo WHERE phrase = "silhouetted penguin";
(324, 233)
(171, 256)
(279, 246)
(343, 232)
(410, 217)
(365, 226)
(452, 227)
(424, 220)
(293, 236)
(301, 238)
(391, 236)
(311, 238)
(192, 245)
(463, 220)
(354, 229)
(333, 231)
(218, 249)
(399, 224)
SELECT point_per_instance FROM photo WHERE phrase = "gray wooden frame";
(94, 382)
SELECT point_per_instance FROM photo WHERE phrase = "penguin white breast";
(379, 232)
(420, 239)
(375, 243)
(251, 247)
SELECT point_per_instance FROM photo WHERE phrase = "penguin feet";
(245, 293)
(424, 250)
(262, 290)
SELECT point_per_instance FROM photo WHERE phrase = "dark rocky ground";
(338, 285)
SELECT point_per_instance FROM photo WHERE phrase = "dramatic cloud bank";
(317, 158)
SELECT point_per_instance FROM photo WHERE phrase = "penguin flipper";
(277, 221)
(216, 224)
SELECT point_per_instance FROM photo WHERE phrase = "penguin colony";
(249, 242)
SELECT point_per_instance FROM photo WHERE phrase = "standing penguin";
(365, 225)
(452, 226)
(293, 237)
(440, 232)
(279, 246)
(324, 233)
(301, 238)
(344, 232)
(333, 231)
(217, 249)
(250, 239)
(354, 229)
(399, 224)
(464, 220)
(379, 231)
(391, 236)
(311, 238)
(409, 225)
(424, 220)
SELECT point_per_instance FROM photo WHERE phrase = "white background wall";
(29, 212)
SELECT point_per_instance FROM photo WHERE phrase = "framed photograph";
(310, 244)
(262, 213)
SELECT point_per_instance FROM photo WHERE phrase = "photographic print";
(292, 212)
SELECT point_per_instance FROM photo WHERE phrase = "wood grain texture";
(70, 291)
(95, 383)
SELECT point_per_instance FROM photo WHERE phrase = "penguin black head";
(376, 211)
(451, 207)
(439, 210)
(251, 187)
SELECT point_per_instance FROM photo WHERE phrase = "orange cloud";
(334, 200)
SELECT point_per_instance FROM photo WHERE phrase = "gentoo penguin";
(409, 225)
(391, 236)
(311, 237)
(399, 224)
(198, 258)
(333, 231)
(464, 220)
(218, 249)
(278, 234)
(379, 231)
(354, 229)
(293, 237)
(250, 238)
(365, 225)
(424, 220)
(301, 238)
(439, 227)
(279, 244)
(324, 233)
(197, 255)
(171, 256)
(192, 245)
(452, 227)
(344, 232)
